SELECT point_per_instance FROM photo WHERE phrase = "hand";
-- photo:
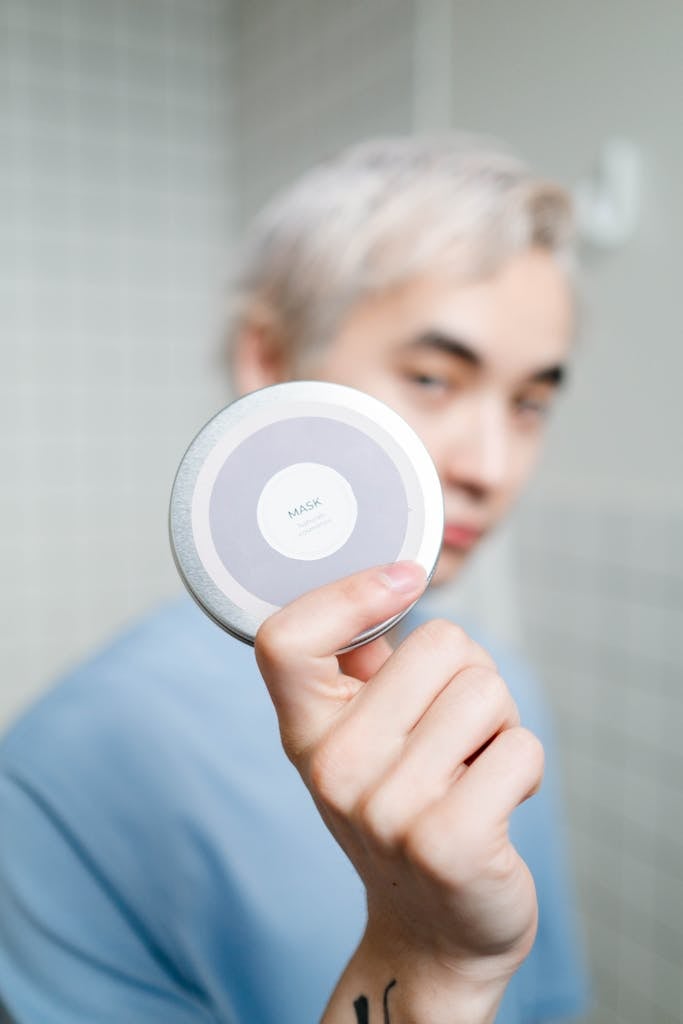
(415, 759)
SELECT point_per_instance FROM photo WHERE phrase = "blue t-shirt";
(161, 860)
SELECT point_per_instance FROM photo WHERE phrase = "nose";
(477, 448)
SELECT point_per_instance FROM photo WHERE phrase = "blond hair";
(383, 212)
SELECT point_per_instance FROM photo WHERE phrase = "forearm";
(377, 988)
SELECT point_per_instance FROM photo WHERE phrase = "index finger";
(296, 647)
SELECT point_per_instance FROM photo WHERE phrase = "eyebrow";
(556, 374)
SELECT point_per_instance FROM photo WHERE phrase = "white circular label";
(307, 511)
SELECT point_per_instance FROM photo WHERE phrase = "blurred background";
(136, 139)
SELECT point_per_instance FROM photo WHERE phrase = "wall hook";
(608, 199)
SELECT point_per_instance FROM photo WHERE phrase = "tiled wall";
(115, 214)
(602, 600)
(313, 76)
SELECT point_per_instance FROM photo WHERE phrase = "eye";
(428, 381)
(532, 408)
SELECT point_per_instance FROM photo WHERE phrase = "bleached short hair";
(384, 212)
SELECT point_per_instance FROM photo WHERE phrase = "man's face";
(473, 367)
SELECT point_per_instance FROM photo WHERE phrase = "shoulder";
(139, 763)
(129, 716)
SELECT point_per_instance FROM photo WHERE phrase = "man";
(160, 858)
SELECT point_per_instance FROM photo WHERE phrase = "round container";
(294, 486)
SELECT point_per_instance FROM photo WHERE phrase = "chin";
(451, 561)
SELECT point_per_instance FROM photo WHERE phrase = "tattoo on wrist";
(361, 1007)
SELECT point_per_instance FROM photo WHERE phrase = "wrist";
(422, 988)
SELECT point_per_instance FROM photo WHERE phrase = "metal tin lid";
(292, 487)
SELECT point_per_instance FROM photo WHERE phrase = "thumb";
(296, 647)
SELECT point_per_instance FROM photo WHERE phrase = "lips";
(460, 535)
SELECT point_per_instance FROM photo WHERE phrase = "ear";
(260, 356)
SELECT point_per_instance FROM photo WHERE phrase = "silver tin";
(226, 492)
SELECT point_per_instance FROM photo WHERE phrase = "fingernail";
(403, 576)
